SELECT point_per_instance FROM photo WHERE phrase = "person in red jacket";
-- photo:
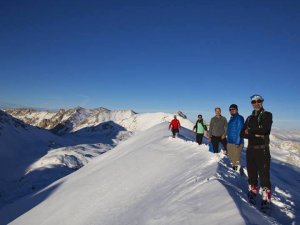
(175, 125)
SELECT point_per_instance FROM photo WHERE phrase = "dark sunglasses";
(232, 109)
(256, 101)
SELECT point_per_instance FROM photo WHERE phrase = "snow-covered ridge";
(36, 157)
(153, 179)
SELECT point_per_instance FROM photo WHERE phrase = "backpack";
(204, 126)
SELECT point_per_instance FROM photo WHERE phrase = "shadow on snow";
(27, 203)
(285, 192)
(285, 180)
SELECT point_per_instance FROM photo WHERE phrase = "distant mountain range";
(71, 120)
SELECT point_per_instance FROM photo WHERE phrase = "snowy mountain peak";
(8, 120)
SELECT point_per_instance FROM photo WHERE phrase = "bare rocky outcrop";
(181, 114)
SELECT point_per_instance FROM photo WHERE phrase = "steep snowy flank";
(20, 146)
(22, 142)
(153, 179)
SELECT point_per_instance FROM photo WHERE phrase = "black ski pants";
(215, 142)
(199, 138)
(174, 131)
(258, 165)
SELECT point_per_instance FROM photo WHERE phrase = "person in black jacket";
(257, 129)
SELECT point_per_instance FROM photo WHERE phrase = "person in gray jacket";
(217, 131)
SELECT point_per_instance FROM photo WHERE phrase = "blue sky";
(152, 55)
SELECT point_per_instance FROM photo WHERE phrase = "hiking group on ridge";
(256, 129)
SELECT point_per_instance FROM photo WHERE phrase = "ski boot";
(252, 193)
(265, 206)
(241, 170)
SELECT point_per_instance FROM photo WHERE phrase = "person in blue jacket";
(235, 143)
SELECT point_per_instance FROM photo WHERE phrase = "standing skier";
(257, 129)
(199, 128)
(175, 125)
(234, 142)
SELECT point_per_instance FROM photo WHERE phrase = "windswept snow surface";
(155, 179)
